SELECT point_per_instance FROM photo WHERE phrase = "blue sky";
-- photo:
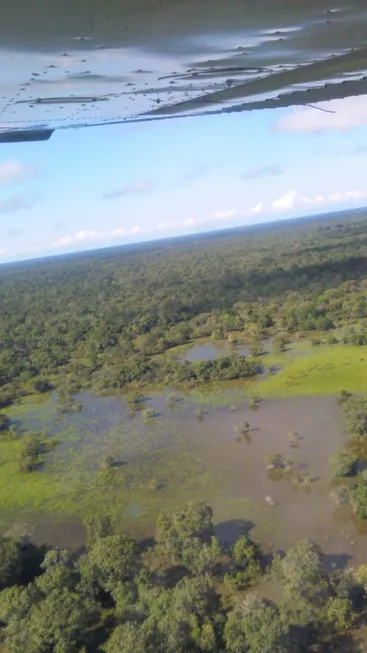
(103, 186)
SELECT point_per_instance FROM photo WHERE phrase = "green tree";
(128, 637)
(302, 575)
(256, 626)
(358, 499)
(174, 531)
(339, 614)
(113, 558)
(11, 561)
(203, 559)
(190, 619)
(247, 559)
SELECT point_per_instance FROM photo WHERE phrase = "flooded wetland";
(191, 446)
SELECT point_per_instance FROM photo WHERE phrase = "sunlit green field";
(316, 371)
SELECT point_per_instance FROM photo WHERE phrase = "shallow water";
(212, 351)
(177, 456)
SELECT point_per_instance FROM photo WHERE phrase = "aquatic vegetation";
(148, 414)
(294, 439)
(254, 402)
(276, 462)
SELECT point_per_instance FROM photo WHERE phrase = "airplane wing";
(78, 63)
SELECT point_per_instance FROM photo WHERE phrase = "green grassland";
(324, 370)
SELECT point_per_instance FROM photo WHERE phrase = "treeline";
(105, 315)
(146, 370)
(122, 596)
(353, 461)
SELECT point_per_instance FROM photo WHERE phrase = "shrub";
(42, 385)
(4, 422)
(342, 463)
(148, 414)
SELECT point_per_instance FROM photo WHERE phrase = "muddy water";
(299, 511)
(208, 459)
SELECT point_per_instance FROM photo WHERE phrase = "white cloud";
(13, 170)
(346, 113)
(258, 208)
(88, 235)
(286, 201)
(223, 215)
(293, 200)
(78, 237)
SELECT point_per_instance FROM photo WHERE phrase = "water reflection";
(99, 65)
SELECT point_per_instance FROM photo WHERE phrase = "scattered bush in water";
(280, 344)
(135, 400)
(254, 402)
(294, 439)
(108, 461)
(340, 495)
(344, 396)
(301, 477)
(277, 463)
(68, 404)
(343, 463)
(33, 451)
(200, 413)
(172, 401)
(148, 414)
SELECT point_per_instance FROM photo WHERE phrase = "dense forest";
(123, 596)
(108, 319)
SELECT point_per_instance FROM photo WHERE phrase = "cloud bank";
(293, 200)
